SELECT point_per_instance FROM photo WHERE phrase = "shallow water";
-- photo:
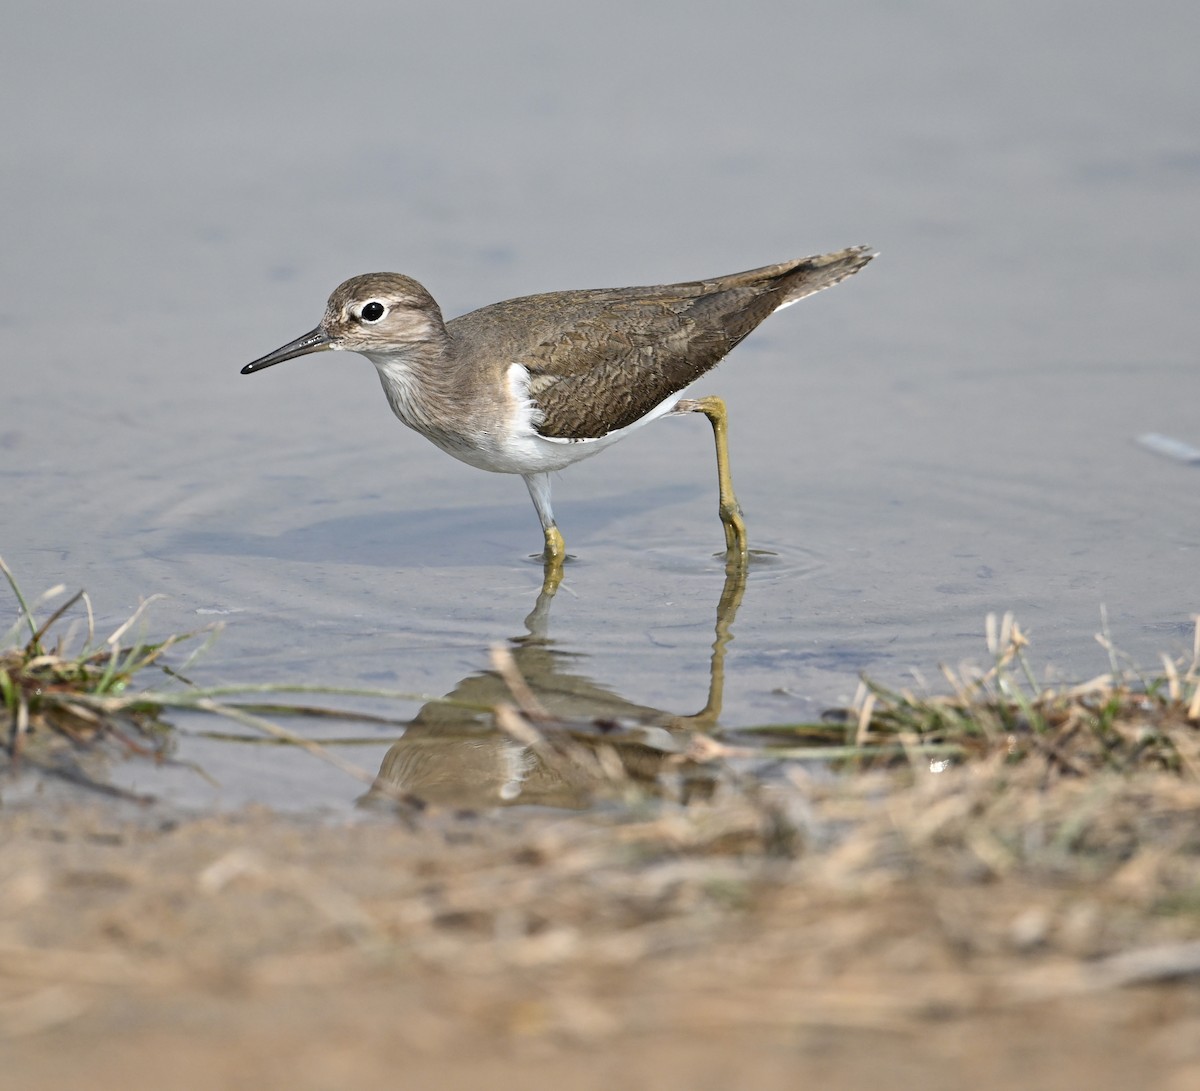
(948, 433)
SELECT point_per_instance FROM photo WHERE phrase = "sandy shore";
(939, 932)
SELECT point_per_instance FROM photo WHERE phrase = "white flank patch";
(523, 450)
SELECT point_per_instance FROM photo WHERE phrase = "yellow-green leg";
(731, 512)
(552, 560)
(556, 549)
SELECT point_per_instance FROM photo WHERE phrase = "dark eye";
(373, 311)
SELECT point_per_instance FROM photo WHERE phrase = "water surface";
(947, 434)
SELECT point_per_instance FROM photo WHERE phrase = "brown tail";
(810, 275)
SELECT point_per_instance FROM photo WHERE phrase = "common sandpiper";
(531, 385)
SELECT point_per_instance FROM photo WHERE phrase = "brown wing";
(608, 370)
(600, 360)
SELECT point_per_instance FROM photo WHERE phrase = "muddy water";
(947, 434)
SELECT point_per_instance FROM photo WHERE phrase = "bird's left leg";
(731, 512)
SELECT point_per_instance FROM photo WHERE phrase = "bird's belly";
(522, 449)
(522, 454)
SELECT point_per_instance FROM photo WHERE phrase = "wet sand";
(954, 930)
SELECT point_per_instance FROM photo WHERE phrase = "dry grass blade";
(258, 723)
(506, 666)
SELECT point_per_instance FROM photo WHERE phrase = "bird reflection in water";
(591, 743)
